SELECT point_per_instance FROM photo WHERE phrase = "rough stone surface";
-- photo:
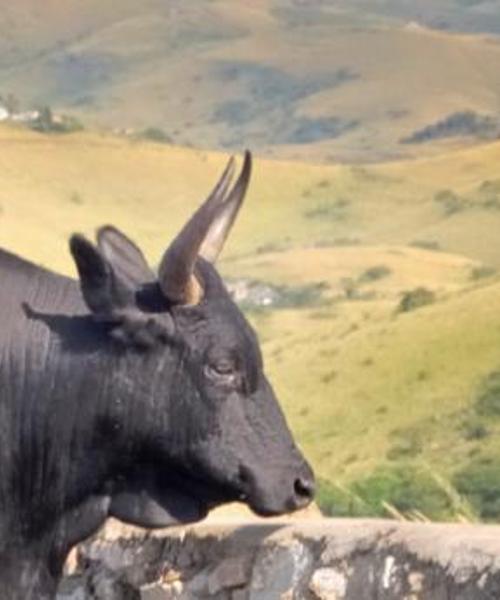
(328, 584)
(278, 570)
(322, 559)
(230, 573)
(158, 591)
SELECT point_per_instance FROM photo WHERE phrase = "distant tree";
(45, 120)
(415, 299)
(46, 123)
(11, 103)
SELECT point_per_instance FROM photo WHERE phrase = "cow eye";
(222, 371)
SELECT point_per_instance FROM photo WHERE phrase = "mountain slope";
(343, 86)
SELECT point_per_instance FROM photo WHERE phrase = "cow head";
(211, 429)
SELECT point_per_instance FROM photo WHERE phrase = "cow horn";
(221, 226)
(175, 274)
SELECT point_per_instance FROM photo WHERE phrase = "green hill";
(379, 381)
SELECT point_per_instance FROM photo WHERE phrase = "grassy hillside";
(373, 390)
(451, 202)
(331, 81)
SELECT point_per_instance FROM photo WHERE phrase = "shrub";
(155, 134)
(450, 202)
(491, 203)
(323, 183)
(490, 187)
(321, 314)
(301, 295)
(482, 272)
(334, 501)
(489, 192)
(416, 298)
(407, 488)
(335, 209)
(405, 448)
(330, 376)
(69, 124)
(349, 287)
(426, 244)
(488, 399)
(46, 122)
(270, 247)
(305, 130)
(76, 198)
(457, 124)
(474, 429)
(422, 375)
(374, 274)
(342, 241)
(407, 442)
(479, 482)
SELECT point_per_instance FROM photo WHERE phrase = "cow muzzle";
(280, 495)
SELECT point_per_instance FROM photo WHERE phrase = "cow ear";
(104, 293)
(126, 258)
(113, 300)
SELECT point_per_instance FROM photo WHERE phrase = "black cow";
(132, 395)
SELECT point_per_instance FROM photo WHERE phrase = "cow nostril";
(304, 489)
(245, 480)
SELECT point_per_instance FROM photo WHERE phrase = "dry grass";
(350, 373)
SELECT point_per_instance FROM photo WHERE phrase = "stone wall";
(321, 559)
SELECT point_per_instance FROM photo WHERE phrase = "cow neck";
(30, 568)
(25, 577)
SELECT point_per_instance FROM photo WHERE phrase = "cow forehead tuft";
(218, 323)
